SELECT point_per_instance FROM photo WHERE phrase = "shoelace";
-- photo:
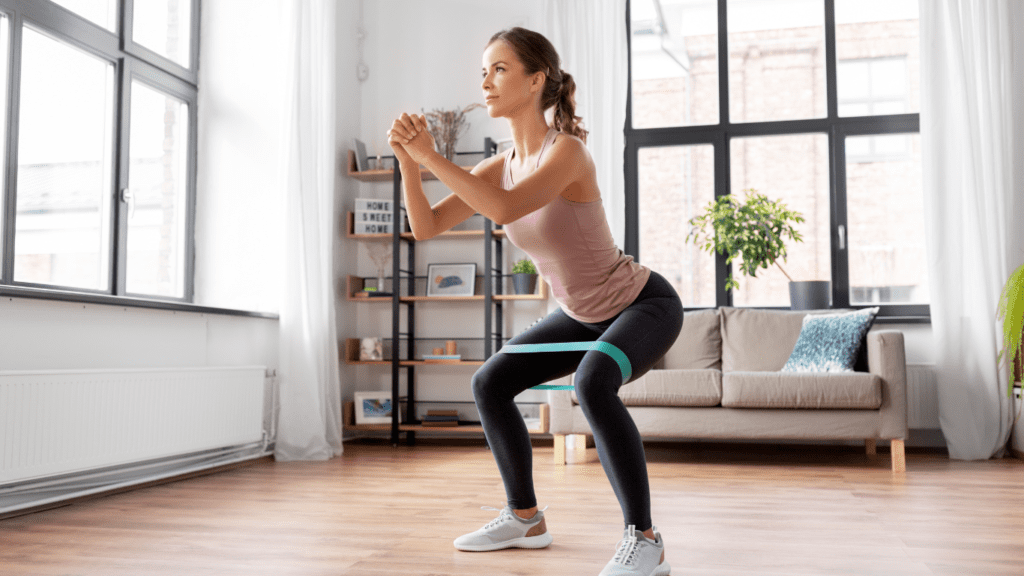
(505, 513)
(629, 548)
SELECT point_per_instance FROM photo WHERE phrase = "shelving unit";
(492, 297)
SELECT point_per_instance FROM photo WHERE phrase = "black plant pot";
(810, 295)
(525, 283)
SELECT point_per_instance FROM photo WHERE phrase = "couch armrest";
(560, 402)
(887, 359)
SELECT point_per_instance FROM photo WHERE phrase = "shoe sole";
(538, 541)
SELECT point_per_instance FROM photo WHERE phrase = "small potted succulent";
(754, 229)
(524, 276)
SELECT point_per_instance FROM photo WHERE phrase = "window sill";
(108, 300)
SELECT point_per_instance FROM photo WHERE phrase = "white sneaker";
(638, 556)
(507, 531)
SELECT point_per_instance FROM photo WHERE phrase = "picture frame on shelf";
(370, 349)
(360, 151)
(451, 279)
(374, 408)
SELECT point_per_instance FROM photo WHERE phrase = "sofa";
(722, 379)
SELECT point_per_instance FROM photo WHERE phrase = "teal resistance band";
(610, 349)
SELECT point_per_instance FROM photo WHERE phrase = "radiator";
(922, 397)
(67, 421)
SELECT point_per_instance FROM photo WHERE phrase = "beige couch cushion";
(699, 344)
(818, 390)
(760, 340)
(672, 388)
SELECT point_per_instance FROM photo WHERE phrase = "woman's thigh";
(645, 331)
(514, 373)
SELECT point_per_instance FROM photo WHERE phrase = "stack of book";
(441, 418)
(442, 358)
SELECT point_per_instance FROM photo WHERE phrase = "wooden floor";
(723, 509)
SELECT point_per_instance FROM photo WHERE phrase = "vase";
(810, 295)
(524, 283)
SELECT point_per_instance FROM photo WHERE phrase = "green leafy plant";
(1011, 312)
(752, 229)
(524, 266)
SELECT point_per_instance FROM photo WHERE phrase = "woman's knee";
(597, 379)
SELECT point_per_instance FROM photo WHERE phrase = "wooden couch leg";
(579, 448)
(559, 449)
(899, 461)
(869, 445)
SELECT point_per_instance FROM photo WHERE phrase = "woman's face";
(503, 77)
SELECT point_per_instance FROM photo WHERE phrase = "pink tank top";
(572, 246)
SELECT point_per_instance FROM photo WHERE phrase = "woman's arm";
(566, 162)
(421, 217)
(450, 211)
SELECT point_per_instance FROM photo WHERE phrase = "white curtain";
(590, 36)
(972, 134)
(309, 422)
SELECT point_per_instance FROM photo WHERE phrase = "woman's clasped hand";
(410, 139)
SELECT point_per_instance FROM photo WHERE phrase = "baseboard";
(47, 493)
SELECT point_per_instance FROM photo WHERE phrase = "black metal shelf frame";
(491, 254)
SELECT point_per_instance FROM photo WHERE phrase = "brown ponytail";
(538, 55)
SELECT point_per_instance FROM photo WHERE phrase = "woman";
(544, 192)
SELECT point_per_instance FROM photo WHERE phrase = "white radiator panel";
(922, 397)
(65, 421)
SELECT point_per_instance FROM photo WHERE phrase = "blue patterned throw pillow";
(829, 342)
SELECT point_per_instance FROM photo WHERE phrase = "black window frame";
(719, 136)
(132, 62)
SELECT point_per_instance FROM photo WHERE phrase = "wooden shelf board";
(348, 423)
(386, 175)
(420, 428)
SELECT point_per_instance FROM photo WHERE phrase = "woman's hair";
(538, 55)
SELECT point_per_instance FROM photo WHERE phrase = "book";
(440, 419)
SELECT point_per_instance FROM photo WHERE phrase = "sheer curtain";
(309, 422)
(972, 134)
(590, 36)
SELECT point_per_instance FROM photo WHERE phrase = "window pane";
(5, 43)
(102, 12)
(675, 184)
(776, 60)
(65, 166)
(880, 39)
(156, 175)
(794, 171)
(886, 220)
(164, 27)
(674, 63)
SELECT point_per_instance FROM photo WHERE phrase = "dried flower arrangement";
(446, 127)
(380, 253)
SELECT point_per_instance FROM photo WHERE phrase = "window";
(811, 102)
(104, 146)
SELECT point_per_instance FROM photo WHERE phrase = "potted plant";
(1011, 311)
(524, 276)
(755, 230)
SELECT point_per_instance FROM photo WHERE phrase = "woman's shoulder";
(574, 148)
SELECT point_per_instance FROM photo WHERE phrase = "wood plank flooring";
(723, 509)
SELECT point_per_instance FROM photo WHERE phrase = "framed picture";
(360, 155)
(451, 279)
(374, 408)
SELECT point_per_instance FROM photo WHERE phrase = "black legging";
(644, 331)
